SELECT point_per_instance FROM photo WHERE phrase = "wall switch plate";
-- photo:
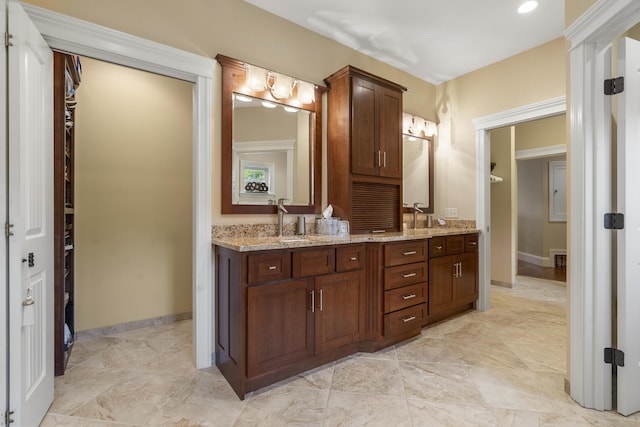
(451, 212)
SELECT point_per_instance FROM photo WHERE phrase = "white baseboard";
(535, 259)
(502, 284)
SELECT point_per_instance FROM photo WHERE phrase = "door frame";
(590, 38)
(80, 37)
(484, 125)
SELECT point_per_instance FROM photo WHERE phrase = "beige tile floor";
(503, 367)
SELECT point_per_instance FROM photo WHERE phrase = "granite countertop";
(246, 244)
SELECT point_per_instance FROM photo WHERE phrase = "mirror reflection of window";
(277, 135)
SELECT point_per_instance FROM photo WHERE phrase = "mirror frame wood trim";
(233, 78)
(430, 209)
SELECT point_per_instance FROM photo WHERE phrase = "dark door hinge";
(614, 356)
(614, 221)
(614, 86)
(7, 418)
(7, 230)
(7, 40)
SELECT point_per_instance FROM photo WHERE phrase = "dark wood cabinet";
(66, 81)
(279, 325)
(339, 310)
(405, 278)
(453, 275)
(282, 312)
(376, 126)
(364, 150)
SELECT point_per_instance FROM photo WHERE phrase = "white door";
(30, 108)
(629, 238)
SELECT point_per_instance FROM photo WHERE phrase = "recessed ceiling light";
(527, 6)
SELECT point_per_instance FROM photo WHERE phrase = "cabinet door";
(391, 133)
(279, 325)
(364, 136)
(441, 291)
(339, 310)
(466, 284)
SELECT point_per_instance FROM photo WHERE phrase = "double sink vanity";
(291, 303)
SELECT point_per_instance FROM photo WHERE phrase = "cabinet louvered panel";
(375, 207)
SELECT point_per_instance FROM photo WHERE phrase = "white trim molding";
(540, 110)
(536, 153)
(75, 36)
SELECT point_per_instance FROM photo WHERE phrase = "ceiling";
(435, 40)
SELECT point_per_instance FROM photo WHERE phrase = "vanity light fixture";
(243, 98)
(279, 85)
(418, 127)
(290, 109)
(268, 104)
(527, 6)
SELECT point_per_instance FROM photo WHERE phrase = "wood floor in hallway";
(547, 273)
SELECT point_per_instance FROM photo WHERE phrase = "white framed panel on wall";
(557, 191)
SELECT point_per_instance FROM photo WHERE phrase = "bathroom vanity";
(286, 305)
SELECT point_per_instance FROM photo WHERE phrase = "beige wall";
(541, 133)
(530, 207)
(133, 196)
(502, 207)
(532, 76)
(240, 30)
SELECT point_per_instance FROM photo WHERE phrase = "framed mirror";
(271, 141)
(417, 172)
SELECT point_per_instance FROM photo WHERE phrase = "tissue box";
(327, 226)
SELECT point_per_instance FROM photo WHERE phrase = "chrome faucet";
(416, 209)
(281, 211)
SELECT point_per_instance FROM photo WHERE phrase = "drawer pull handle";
(411, 296)
(354, 258)
(409, 319)
(439, 248)
(409, 253)
(406, 276)
(473, 243)
(272, 267)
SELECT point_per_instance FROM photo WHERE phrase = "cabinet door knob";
(410, 296)
(406, 276)
(272, 267)
(409, 253)
(354, 258)
(473, 243)
(439, 248)
(409, 319)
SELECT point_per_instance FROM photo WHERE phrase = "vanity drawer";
(404, 297)
(405, 252)
(402, 321)
(314, 262)
(471, 243)
(455, 244)
(437, 247)
(403, 275)
(349, 258)
(269, 267)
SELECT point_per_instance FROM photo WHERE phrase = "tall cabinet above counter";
(364, 150)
